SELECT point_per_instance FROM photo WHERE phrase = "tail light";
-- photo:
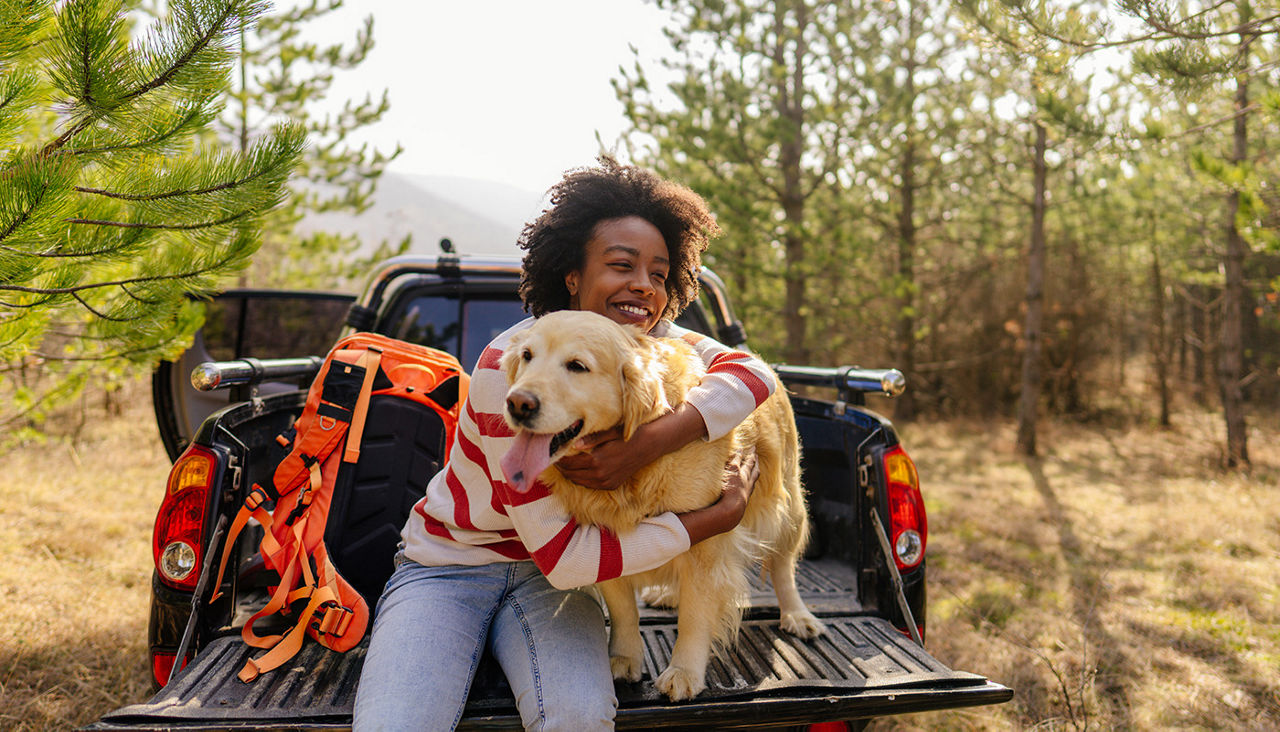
(176, 542)
(909, 528)
(162, 665)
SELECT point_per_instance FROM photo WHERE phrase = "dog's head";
(573, 373)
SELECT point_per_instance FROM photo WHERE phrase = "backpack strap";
(370, 361)
(252, 508)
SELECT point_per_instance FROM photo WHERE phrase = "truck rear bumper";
(860, 668)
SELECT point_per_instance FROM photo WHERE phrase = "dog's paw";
(802, 624)
(625, 668)
(660, 596)
(681, 683)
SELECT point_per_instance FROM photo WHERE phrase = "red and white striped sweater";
(470, 516)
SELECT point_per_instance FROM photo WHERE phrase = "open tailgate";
(861, 667)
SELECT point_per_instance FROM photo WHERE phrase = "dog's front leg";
(699, 615)
(626, 648)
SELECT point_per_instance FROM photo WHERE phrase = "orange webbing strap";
(371, 360)
(334, 619)
(252, 508)
(289, 566)
(289, 645)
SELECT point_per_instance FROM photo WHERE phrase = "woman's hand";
(741, 474)
(610, 461)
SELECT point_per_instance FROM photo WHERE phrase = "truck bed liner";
(860, 661)
(860, 666)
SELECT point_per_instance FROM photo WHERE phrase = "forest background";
(1044, 214)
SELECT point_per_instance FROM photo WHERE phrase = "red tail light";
(162, 665)
(176, 541)
(909, 528)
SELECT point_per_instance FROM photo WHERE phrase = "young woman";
(484, 567)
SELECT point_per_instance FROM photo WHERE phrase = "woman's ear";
(571, 281)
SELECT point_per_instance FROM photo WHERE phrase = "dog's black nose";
(522, 405)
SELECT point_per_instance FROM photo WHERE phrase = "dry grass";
(1120, 582)
(75, 537)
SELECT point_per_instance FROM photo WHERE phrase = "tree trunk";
(905, 336)
(1160, 347)
(1231, 359)
(1031, 376)
(790, 91)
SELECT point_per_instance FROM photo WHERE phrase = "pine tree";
(281, 73)
(1052, 101)
(765, 114)
(112, 209)
(1199, 52)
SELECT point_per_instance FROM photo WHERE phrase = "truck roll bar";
(847, 379)
(212, 375)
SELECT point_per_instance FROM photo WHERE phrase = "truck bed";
(861, 666)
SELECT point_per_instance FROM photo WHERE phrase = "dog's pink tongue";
(525, 461)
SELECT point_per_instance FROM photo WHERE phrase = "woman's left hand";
(608, 460)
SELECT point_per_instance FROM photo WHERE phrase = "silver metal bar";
(889, 382)
(212, 375)
(898, 588)
(202, 583)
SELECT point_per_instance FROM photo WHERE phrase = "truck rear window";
(461, 325)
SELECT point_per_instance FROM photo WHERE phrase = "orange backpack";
(326, 437)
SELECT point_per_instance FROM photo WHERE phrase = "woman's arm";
(609, 461)
(735, 384)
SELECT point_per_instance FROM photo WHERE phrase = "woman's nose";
(640, 282)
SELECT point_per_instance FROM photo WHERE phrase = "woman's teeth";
(639, 312)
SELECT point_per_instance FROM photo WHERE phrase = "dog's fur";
(630, 379)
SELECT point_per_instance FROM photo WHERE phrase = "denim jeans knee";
(432, 623)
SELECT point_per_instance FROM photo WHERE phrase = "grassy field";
(1121, 581)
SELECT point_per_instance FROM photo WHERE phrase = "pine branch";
(164, 227)
(176, 192)
(25, 215)
(100, 315)
(139, 298)
(173, 131)
(192, 274)
(65, 255)
(202, 41)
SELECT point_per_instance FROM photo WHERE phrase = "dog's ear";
(510, 361)
(642, 396)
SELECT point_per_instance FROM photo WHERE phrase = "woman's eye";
(577, 367)
(527, 355)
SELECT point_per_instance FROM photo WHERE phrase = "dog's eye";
(526, 354)
(577, 367)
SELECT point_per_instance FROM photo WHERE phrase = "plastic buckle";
(256, 498)
(304, 500)
(335, 619)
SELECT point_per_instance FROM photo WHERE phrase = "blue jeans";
(433, 623)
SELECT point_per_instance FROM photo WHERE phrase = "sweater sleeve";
(568, 553)
(735, 384)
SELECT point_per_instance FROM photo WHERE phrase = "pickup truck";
(864, 573)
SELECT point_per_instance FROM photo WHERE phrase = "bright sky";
(513, 91)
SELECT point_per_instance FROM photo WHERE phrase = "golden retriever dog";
(576, 372)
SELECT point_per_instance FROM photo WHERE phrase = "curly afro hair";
(556, 241)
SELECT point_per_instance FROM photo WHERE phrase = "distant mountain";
(480, 217)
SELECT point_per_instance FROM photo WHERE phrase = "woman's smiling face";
(624, 273)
